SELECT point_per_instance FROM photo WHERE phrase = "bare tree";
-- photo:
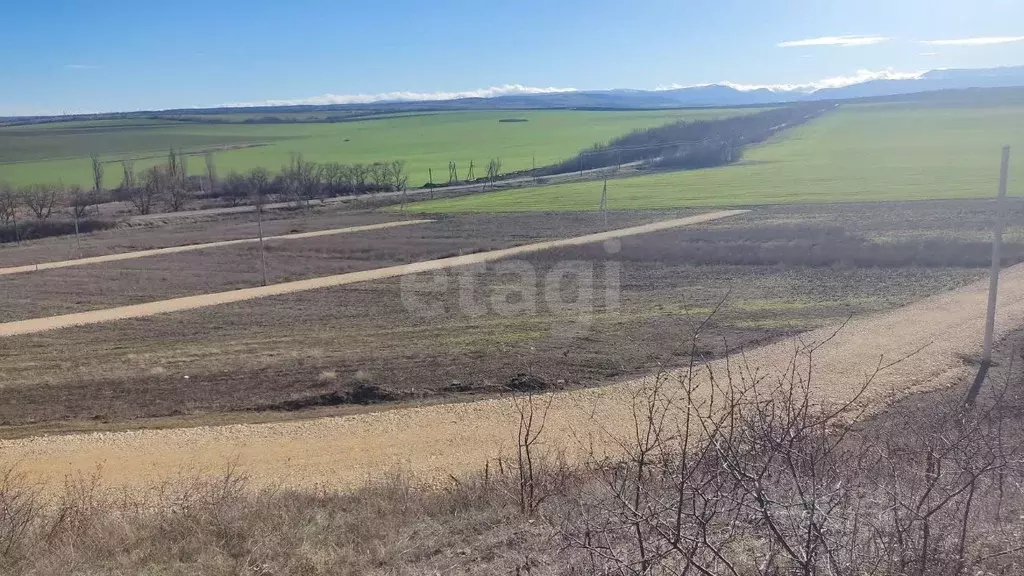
(97, 173)
(303, 180)
(359, 174)
(79, 200)
(399, 179)
(236, 189)
(380, 176)
(152, 188)
(259, 185)
(129, 182)
(493, 170)
(211, 172)
(9, 202)
(40, 199)
(173, 186)
(176, 194)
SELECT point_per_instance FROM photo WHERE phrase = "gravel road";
(36, 325)
(191, 247)
(431, 442)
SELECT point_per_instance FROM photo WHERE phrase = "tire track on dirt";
(432, 442)
(35, 325)
(191, 247)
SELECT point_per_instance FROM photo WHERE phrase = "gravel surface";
(36, 325)
(433, 442)
(191, 247)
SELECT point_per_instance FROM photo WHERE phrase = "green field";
(857, 153)
(60, 151)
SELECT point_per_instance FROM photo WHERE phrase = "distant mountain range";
(709, 95)
(722, 95)
(946, 84)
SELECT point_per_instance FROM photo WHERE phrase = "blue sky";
(106, 55)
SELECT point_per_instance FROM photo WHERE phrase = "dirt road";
(205, 300)
(191, 247)
(432, 442)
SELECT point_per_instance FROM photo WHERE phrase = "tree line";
(299, 181)
(303, 182)
(690, 144)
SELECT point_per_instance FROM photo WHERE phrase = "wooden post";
(604, 202)
(78, 238)
(431, 173)
(259, 222)
(581, 164)
(993, 285)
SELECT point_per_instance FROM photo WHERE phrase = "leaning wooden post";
(993, 285)
(604, 202)
(259, 222)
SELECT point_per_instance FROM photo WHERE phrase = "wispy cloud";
(977, 41)
(82, 67)
(834, 41)
(928, 54)
(325, 99)
(831, 82)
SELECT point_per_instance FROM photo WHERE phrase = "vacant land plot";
(442, 265)
(60, 151)
(877, 152)
(781, 271)
(87, 261)
(931, 340)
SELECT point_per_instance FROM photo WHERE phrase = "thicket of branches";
(303, 182)
(690, 144)
(41, 210)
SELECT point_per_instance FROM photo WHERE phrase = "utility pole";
(259, 222)
(604, 202)
(78, 239)
(993, 285)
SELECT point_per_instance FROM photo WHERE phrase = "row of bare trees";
(304, 182)
(166, 184)
(41, 201)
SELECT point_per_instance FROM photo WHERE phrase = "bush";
(34, 229)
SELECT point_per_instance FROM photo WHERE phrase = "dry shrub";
(748, 473)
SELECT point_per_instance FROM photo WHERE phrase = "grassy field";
(60, 151)
(864, 152)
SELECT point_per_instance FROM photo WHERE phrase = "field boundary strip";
(192, 247)
(437, 442)
(36, 325)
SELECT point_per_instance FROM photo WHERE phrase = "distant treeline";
(690, 144)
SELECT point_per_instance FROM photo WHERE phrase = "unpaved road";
(431, 442)
(205, 300)
(191, 247)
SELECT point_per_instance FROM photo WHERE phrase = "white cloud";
(832, 82)
(928, 54)
(834, 41)
(326, 99)
(979, 41)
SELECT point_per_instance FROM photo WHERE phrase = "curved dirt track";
(35, 325)
(432, 442)
(191, 247)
